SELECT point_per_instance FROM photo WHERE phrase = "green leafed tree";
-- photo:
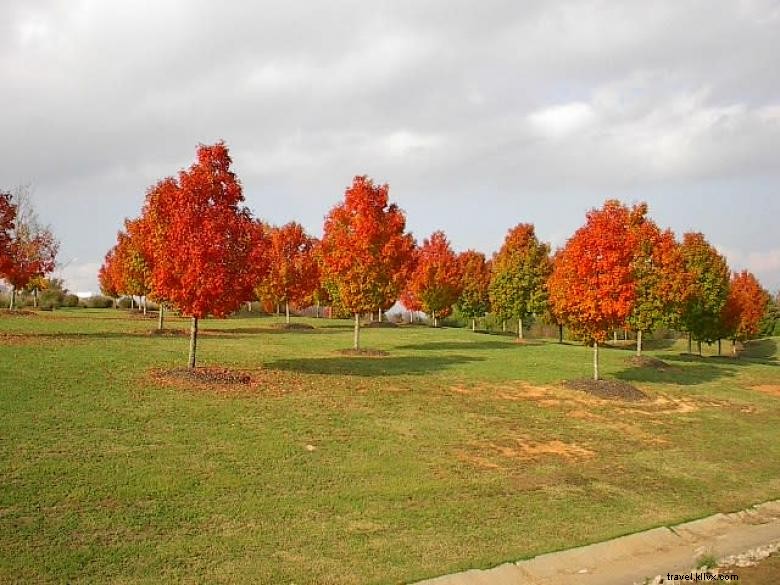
(709, 289)
(520, 272)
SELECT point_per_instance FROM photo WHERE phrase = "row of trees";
(196, 248)
(28, 250)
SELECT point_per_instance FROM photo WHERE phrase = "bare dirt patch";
(17, 313)
(492, 455)
(608, 389)
(771, 389)
(367, 352)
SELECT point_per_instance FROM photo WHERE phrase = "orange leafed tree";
(745, 307)
(436, 280)
(592, 287)
(293, 274)
(365, 250)
(662, 283)
(208, 253)
(109, 283)
(474, 297)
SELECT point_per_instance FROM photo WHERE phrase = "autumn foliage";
(745, 306)
(365, 250)
(208, 253)
(436, 279)
(28, 251)
(592, 286)
(662, 284)
(293, 272)
(521, 268)
(7, 219)
(474, 299)
(709, 288)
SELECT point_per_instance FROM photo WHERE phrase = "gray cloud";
(480, 115)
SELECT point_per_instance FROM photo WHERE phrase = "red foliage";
(592, 287)
(745, 306)
(32, 255)
(293, 275)
(436, 280)
(365, 250)
(7, 218)
(110, 284)
(207, 252)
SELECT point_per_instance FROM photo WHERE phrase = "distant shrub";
(124, 303)
(70, 300)
(98, 302)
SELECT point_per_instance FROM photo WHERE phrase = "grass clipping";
(608, 389)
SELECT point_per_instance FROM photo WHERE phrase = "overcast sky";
(479, 115)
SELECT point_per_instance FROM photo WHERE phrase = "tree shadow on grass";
(247, 331)
(366, 366)
(761, 350)
(690, 375)
(456, 346)
(647, 344)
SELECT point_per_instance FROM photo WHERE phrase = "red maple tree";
(365, 250)
(474, 299)
(7, 224)
(207, 251)
(662, 283)
(437, 278)
(745, 307)
(293, 275)
(592, 287)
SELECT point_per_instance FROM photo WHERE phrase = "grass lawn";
(457, 450)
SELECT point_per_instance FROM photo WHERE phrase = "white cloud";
(563, 120)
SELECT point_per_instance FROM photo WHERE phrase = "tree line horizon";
(197, 249)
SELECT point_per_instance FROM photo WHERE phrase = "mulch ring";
(379, 325)
(17, 313)
(367, 352)
(648, 362)
(166, 332)
(209, 375)
(293, 326)
(608, 389)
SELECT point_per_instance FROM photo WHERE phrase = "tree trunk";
(380, 314)
(160, 317)
(614, 336)
(560, 334)
(193, 342)
(639, 343)
(690, 342)
(116, 302)
(596, 360)
(357, 331)
(35, 298)
(625, 334)
(12, 306)
(520, 328)
(287, 312)
(473, 324)
(503, 325)
(734, 347)
(144, 300)
(278, 310)
(317, 311)
(699, 348)
(719, 350)
(411, 317)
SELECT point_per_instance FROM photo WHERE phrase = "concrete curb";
(634, 558)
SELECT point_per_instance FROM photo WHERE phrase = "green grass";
(457, 450)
